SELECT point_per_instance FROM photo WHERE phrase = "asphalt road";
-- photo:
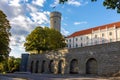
(20, 76)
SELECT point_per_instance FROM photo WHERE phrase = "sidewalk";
(8, 78)
(5, 78)
(13, 76)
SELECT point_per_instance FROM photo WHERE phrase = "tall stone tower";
(55, 20)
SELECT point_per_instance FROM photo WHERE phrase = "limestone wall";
(103, 59)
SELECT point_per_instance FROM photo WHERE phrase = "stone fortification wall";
(103, 59)
(106, 55)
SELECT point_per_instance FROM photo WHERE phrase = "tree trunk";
(38, 51)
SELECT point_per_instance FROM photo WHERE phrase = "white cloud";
(38, 2)
(23, 19)
(39, 17)
(17, 41)
(56, 2)
(70, 2)
(64, 32)
(78, 23)
(31, 8)
(19, 19)
(65, 24)
(14, 3)
(17, 45)
(74, 2)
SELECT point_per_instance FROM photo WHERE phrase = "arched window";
(51, 66)
(74, 66)
(91, 66)
(60, 66)
(43, 66)
(37, 66)
(31, 67)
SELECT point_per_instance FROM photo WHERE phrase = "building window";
(76, 39)
(95, 36)
(102, 34)
(110, 33)
(76, 45)
(81, 38)
(103, 41)
(69, 40)
(69, 46)
(87, 37)
(110, 40)
(81, 44)
(86, 43)
(66, 45)
(95, 42)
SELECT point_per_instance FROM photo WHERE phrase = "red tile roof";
(88, 31)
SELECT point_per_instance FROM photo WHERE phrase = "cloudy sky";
(25, 15)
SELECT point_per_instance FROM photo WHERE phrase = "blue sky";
(25, 15)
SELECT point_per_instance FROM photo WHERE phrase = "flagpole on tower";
(54, 8)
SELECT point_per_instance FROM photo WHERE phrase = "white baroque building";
(93, 36)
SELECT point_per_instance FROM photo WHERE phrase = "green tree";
(13, 64)
(55, 39)
(3, 66)
(43, 39)
(35, 41)
(4, 36)
(10, 63)
(109, 4)
(17, 62)
(112, 4)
